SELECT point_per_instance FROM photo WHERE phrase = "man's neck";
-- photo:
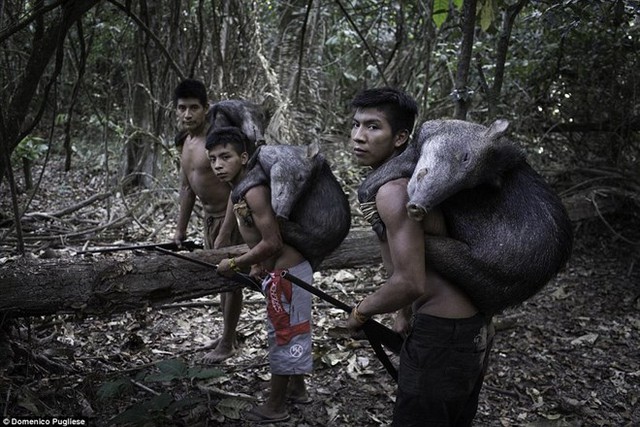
(200, 132)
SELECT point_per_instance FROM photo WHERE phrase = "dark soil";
(567, 357)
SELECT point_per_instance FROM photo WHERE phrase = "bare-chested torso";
(195, 165)
(442, 298)
(285, 258)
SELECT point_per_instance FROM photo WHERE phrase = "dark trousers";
(442, 367)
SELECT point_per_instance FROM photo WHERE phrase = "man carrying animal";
(444, 357)
(288, 306)
(197, 181)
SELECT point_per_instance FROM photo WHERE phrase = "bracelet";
(357, 314)
(233, 265)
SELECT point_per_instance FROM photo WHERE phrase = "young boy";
(197, 180)
(443, 360)
(288, 306)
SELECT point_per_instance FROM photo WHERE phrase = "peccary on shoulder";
(508, 232)
(311, 207)
(252, 119)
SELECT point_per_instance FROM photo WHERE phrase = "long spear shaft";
(376, 332)
(243, 279)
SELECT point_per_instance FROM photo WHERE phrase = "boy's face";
(191, 114)
(373, 140)
(226, 163)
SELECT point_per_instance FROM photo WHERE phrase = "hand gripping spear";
(376, 333)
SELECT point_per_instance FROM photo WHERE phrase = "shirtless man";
(288, 306)
(197, 180)
(444, 357)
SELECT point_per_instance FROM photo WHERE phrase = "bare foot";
(220, 353)
(211, 344)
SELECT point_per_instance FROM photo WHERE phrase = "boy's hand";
(257, 272)
(355, 321)
(178, 238)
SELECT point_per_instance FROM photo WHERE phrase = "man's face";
(373, 140)
(191, 115)
(226, 163)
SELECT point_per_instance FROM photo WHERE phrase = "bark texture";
(106, 283)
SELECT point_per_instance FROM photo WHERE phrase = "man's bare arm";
(224, 235)
(405, 254)
(259, 201)
(187, 199)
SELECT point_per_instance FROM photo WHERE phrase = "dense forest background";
(91, 81)
(87, 126)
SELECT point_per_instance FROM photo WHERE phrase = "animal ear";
(497, 128)
(313, 149)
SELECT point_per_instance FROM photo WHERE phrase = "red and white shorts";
(289, 322)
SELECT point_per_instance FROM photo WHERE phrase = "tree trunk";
(140, 158)
(121, 281)
(462, 93)
(493, 96)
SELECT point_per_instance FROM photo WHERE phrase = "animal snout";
(416, 212)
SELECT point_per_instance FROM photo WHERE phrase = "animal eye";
(465, 157)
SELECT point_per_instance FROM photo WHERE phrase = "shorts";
(289, 322)
(212, 225)
(442, 367)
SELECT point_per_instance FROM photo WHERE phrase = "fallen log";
(104, 284)
(113, 283)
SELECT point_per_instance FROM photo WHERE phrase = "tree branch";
(151, 34)
(357, 30)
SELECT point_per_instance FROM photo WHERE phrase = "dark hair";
(400, 108)
(190, 88)
(230, 135)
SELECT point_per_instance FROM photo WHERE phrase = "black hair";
(230, 135)
(190, 88)
(399, 107)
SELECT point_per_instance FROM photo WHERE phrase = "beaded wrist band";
(233, 265)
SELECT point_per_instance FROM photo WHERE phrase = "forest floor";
(566, 357)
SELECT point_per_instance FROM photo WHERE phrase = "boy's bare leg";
(275, 406)
(297, 389)
(227, 344)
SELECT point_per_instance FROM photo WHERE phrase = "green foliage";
(160, 409)
(487, 12)
(116, 388)
(232, 407)
(30, 148)
(441, 10)
(151, 412)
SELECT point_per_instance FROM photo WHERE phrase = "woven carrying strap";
(370, 213)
